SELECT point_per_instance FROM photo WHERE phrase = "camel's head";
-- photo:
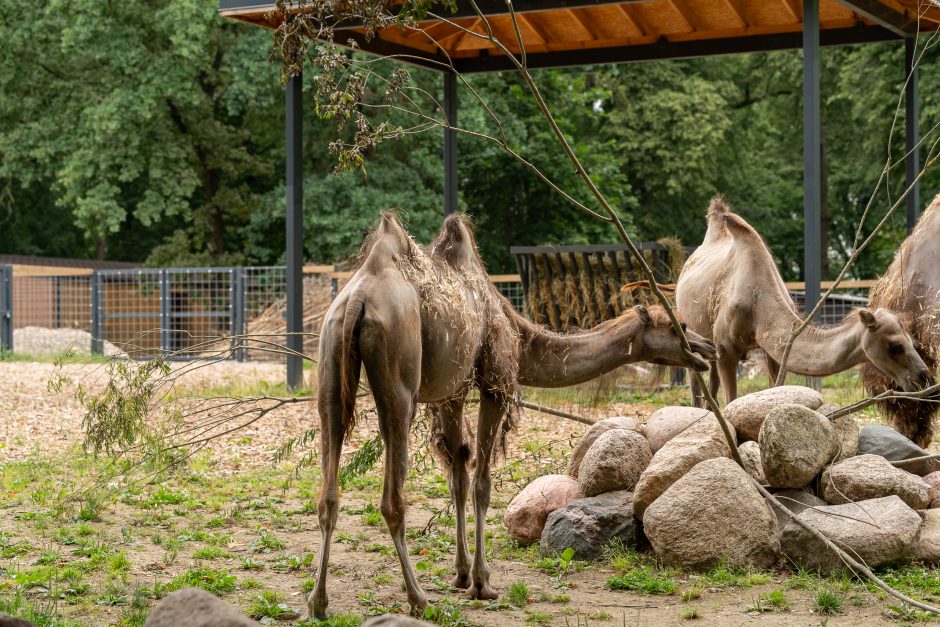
(660, 344)
(890, 348)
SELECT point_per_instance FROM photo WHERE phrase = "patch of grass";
(538, 618)
(337, 620)
(690, 613)
(210, 553)
(546, 597)
(691, 594)
(447, 614)
(248, 583)
(725, 575)
(308, 584)
(249, 563)
(518, 594)
(293, 563)
(776, 599)
(266, 542)
(638, 573)
(915, 581)
(828, 602)
(382, 579)
(217, 582)
(118, 562)
(40, 613)
(269, 604)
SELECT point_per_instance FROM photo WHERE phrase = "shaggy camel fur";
(731, 292)
(428, 327)
(911, 289)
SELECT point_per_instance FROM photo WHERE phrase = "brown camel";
(911, 289)
(731, 292)
(428, 327)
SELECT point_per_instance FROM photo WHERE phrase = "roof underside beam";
(664, 49)
(883, 15)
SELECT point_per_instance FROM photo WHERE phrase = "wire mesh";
(264, 308)
(836, 307)
(129, 307)
(512, 290)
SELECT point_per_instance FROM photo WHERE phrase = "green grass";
(690, 613)
(270, 604)
(211, 580)
(728, 575)
(518, 594)
(828, 602)
(638, 573)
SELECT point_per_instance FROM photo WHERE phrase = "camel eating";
(911, 288)
(731, 292)
(427, 326)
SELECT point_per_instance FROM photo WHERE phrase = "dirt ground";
(109, 557)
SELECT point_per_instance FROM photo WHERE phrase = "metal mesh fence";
(512, 290)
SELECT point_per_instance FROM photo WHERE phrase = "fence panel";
(264, 303)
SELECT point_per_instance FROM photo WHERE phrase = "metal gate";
(6, 309)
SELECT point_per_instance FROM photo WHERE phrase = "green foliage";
(518, 594)
(269, 604)
(209, 579)
(362, 461)
(638, 572)
(828, 602)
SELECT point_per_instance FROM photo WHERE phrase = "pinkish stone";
(526, 514)
(933, 480)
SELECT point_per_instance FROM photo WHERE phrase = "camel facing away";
(731, 292)
(427, 326)
(911, 289)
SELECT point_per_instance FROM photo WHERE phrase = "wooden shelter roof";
(580, 32)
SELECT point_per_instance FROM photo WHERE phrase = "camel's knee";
(393, 511)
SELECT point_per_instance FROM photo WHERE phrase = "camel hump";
(718, 206)
(388, 240)
(456, 244)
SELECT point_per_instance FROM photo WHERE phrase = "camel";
(427, 326)
(911, 289)
(731, 292)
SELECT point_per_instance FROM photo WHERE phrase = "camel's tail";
(350, 362)
(666, 288)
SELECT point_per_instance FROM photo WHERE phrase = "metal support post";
(294, 220)
(450, 143)
(912, 127)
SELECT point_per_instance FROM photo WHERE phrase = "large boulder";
(878, 531)
(927, 548)
(701, 441)
(196, 608)
(796, 501)
(588, 525)
(750, 455)
(888, 443)
(870, 477)
(526, 514)
(667, 422)
(846, 430)
(748, 412)
(614, 462)
(590, 436)
(795, 444)
(712, 514)
(12, 621)
(933, 480)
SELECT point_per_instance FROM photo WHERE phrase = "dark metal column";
(912, 115)
(6, 309)
(812, 156)
(295, 229)
(450, 144)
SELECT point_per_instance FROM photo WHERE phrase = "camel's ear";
(867, 318)
(644, 315)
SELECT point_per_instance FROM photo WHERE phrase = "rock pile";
(672, 482)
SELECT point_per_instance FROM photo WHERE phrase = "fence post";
(97, 345)
(238, 312)
(6, 309)
(164, 313)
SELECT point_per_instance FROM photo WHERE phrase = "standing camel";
(911, 288)
(731, 292)
(427, 326)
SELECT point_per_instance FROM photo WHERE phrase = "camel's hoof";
(461, 581)
(418, 606)
(317, 609)
(484, 592)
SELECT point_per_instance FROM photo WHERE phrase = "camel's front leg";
(727, 366)
(492, 410)
(456, 453)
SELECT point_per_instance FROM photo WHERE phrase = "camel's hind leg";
(492, 410)
(773, 369)
(456, 453)
(394, 379)
(698, 397)
(331, 445)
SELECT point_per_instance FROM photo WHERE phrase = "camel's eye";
(894, 348)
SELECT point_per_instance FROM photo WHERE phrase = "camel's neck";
(551, 360)
(818, 351)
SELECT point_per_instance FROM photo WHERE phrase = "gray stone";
(927, 548)
(750, 455)
(713, 514)
(871, 477)
(846, 437)
(588, 525)
(614, 462)
(933, 480)
(196, 608)
(795, 444)
(796, 501)
(701, 441)
(880, 531)
(667, 422)
(888, 443)
(590, 436)
(748, 412)
(526, 514)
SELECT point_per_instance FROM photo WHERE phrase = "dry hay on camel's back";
(911, 289)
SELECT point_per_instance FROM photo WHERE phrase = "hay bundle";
(582, 289)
